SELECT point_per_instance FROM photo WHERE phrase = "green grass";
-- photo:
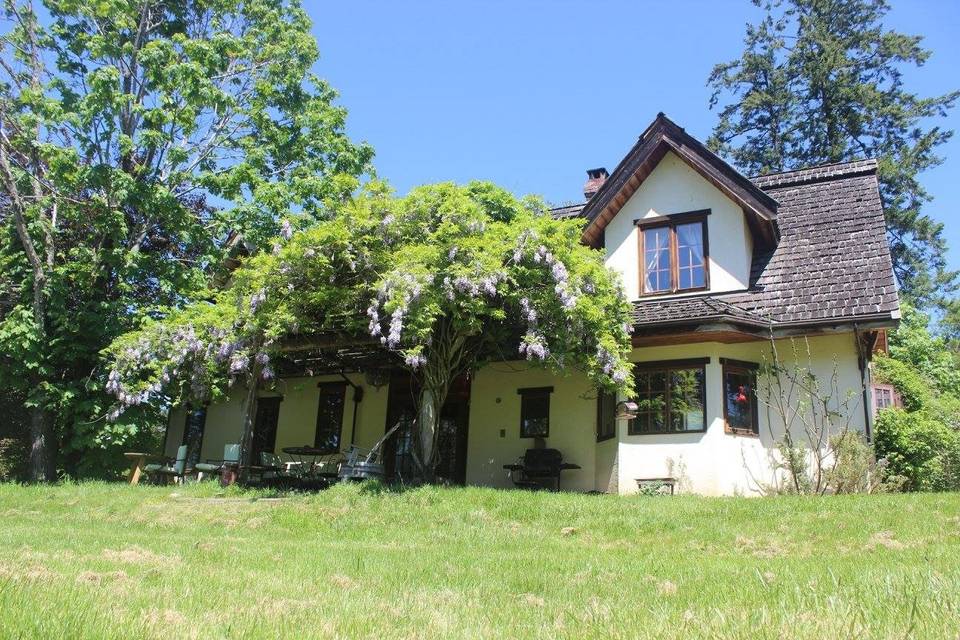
(111, 561)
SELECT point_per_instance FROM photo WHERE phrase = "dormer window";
(673, 253)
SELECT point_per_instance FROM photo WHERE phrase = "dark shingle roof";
(568, 211)
(832, 262)
(833, 259)
(700, 308)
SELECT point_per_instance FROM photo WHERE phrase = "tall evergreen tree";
(820, 81)
(134, 137)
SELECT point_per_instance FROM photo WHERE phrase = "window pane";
(691, 265)
(884, 398)
(651, 402)
(534, 415)
(739, 398)
(669, 400)
(330, 418)
(686, 400)
(656, 259)
(193, 434)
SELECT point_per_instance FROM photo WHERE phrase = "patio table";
(138, 461)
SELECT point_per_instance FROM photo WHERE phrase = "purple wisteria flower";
(238, 363)
(257, 299)
(533, 347)
(415, 360)
(528, 311)
(396, 328)
(286, 230)
(374, 312)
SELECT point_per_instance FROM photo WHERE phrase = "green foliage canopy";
(921, 442)
(445, 278)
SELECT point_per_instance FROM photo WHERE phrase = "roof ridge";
(567, 206)
(817, 173)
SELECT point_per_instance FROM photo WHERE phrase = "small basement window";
(535, 412)
(740, 397)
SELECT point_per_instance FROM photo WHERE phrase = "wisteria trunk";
(249, 419)
(427, 424)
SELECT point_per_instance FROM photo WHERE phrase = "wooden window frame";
(742, 367)
(667, 366)
(671, 222)
(603, 437)
(184, 438)
(325, 389)
(530, 392)
(895, 399)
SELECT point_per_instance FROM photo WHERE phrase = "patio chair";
(231, 455)
(172, 469)
(366, 464)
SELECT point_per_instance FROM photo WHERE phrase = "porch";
(480, 425)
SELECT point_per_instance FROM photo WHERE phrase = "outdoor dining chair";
(175, 469)
(231, 455)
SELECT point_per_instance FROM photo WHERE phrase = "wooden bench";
(657, 483)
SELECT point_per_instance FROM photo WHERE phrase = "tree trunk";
(249, 419)
(43, 467)
(427, 423)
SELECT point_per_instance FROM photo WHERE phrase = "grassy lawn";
(111, 561)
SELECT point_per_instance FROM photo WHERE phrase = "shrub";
(13, 459)
(856, 469)
(919, 447)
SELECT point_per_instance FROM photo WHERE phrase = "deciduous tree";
(135, 139)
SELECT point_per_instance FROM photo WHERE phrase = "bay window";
(671, 397)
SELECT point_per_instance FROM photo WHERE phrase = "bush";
(13, 459)
(919, 447)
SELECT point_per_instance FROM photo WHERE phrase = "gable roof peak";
(662, 136)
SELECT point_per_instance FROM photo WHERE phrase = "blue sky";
(531, 93)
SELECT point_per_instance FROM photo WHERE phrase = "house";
(720, 269)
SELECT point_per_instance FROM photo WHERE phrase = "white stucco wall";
(673, 187)
(495, 408)
(719, 463)
(297, 420)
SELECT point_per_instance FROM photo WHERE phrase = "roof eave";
(661, 136)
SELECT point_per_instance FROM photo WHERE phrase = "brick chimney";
(595, 180)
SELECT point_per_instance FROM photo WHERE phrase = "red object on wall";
(741, 396)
